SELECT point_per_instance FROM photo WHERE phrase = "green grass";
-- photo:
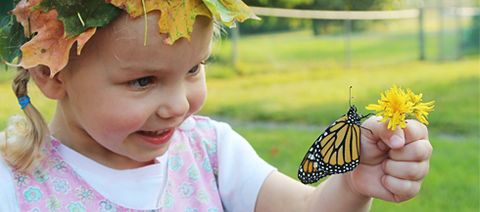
(317, 97)
(296, 77)
(300, 51)
(452, 184)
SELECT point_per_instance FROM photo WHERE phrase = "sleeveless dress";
(191, 179)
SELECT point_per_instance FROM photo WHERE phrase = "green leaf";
(11, 38)
(78, 16)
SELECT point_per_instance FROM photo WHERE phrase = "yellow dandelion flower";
(420, 109)
(395, 105)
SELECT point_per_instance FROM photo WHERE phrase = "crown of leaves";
(42, 32)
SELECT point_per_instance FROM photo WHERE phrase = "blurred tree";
(472, 43)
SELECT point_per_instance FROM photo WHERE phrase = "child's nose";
(174, 105)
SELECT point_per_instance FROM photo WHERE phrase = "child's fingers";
(401, 189)
(393, 139)
(415, 131)
(415, 151)
(397, 138)
(406, 170)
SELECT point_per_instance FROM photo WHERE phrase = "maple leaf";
(78, 16)
(49, 46)
(176, 18)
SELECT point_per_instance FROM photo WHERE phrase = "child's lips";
(157, 137)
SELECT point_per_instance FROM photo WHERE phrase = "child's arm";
(393, 165)
(281, 193)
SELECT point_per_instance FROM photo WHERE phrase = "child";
(125, 137)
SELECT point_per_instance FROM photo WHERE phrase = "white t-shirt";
(240, 176)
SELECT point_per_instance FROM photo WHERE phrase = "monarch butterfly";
(335, 151)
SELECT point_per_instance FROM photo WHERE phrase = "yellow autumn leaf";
(176, 18)
(50, 47)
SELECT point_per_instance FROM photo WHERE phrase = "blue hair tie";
(23, 100)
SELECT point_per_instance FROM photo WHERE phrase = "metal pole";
(421, 30)
(458, 25)
(441, 29)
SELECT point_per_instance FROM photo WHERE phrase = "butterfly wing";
(309, 170)
(340, 148)
(335, 151)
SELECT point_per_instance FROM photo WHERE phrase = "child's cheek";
(123, 123)
(196, 100)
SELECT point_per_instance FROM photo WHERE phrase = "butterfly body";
(335, 151)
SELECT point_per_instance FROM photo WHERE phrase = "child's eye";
(141, 82)
(196, 69)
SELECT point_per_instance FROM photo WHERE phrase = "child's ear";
(52, 88)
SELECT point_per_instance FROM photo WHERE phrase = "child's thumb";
(393, 139)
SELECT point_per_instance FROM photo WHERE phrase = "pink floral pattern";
(192, 167)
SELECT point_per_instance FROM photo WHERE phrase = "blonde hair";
(24, 138)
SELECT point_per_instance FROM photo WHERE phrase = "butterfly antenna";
(365, 116)
(350, 97)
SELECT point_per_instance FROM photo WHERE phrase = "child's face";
(128, 98)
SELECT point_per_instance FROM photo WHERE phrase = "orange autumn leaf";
(50, 46)
(176, 19)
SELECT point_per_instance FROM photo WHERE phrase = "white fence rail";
(336, 15)
(355, 15)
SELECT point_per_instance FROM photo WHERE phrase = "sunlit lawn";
(294, 78)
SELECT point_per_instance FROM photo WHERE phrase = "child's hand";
(392, 163)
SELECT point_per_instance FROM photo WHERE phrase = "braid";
(20, 82)
(23, 153)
